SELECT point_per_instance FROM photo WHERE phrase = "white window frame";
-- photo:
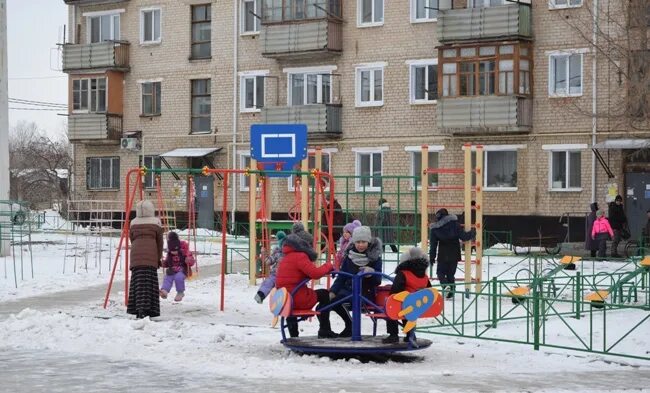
(113, 14)
(358, 153)
(257, 5)
(242, 90)
(567, 149)
(89, 95)
(152, 159)
(412, 65)
(371, 68)
(325, 152)
(374, 23)
(155, 41)
(414, 12)
(243, 179)
(114, 178)
(552, 5)
(496, 148)
(319, 88)
(412, 153)
(551, 72)
(141, 83)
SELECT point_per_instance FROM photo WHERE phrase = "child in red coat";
(601, 232)
(411, 275)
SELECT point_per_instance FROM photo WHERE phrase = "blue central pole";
(356, 308)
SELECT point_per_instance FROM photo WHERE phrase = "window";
(370, 12)
(424, 10)
(370, 86)
(201, 105)
(151, 98)
(288, 10)
(325, 167)
(89, 95)
(564, 3)
(151, 162)
(368, 171)
(103, 173)
(103, 28)
(251, 97)
(565, 77)
(565, 170)
(150, 26)
(245, 162)
(485, 3)
(250, 23)
(486, 70)
(310, 88)
(500, 169)
(416, 169)
(424, 83)
(201, 31)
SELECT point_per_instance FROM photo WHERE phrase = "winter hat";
(441, 213)
(280, 236)
(173, 242)
(145, 209)
(600, 213)
(382, 201)
(361, 234)
(351, 226)
(299, 230)
(618, 198)
(413, 253)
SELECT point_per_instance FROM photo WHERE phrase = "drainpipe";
(594, 95)
(235, 114)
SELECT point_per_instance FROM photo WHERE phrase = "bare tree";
(617, 32)
(39, 165)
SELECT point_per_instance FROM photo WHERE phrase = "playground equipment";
(615, 290)
(426, 303)
(519, 292)
(466, 171)
(15, 226)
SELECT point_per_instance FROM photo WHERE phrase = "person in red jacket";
(601, 232)
(298, 265)
(411, 275)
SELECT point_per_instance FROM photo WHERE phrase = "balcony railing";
(485, 114)
(94, 127)
(321, 119)
(302, 39)
(93, 2)
(472, 24)
(108, 54)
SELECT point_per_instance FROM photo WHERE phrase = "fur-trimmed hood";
(373, 252)
(294, 243)
(444, 220)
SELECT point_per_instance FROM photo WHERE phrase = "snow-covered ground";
(76, 345)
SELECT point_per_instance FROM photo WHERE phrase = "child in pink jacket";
(601, 232)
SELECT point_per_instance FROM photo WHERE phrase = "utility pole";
(4, 130)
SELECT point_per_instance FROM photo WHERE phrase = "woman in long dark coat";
(146, 236)
(590, 244)
(385, 229)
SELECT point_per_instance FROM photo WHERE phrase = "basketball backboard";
(278, 147)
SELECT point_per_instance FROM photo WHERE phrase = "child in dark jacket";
(363, 255)
(411, 275)
(178, 261)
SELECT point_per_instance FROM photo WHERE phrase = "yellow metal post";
(468, 216)
(424, 199)
(479, 217)
(252, 218)
(304, 193)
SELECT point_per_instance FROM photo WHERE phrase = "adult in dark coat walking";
(337, 223)
(590, 244)
(618, 221)
(385, 230)
(146, 235)
(444, 241)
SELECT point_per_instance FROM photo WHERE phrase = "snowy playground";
(54, 322)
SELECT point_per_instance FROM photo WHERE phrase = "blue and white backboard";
(279, 146)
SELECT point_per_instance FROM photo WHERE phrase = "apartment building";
(178, 83)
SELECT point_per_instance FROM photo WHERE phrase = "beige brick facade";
(392, 126)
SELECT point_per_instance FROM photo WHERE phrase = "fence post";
(578, 294)
(535, 310)
(494, 302)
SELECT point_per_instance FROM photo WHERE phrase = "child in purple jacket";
(178, 261)
(272, 261)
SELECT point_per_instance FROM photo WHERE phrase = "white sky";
(34, 27)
